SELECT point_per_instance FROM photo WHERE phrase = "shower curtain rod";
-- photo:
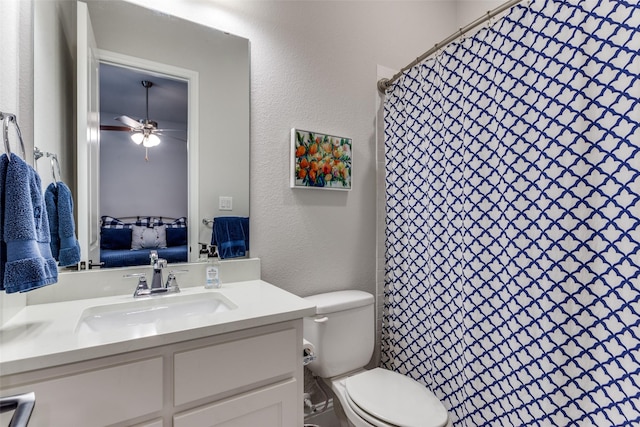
(384, 84)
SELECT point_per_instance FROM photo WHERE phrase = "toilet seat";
(364, 415)
(387, 399)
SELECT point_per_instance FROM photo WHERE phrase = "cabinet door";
(97, 398)
(210, 371)
(273, 406)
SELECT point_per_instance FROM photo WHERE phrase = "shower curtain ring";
(490, 20)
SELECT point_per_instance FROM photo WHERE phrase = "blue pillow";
(176, 236)
(115, 238)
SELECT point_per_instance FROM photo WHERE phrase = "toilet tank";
(342, 332)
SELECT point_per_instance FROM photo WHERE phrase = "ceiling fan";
(143, 131)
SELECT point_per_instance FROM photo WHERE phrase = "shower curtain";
(512, 277)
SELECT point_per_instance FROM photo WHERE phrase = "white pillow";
(148, 237)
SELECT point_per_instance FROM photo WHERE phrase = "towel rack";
(6, 119)
(22, 405)
(55, 164)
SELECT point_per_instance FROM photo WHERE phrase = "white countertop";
(45, 335)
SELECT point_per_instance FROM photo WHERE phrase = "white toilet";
(342, 333)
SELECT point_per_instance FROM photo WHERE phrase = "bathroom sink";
(146, 314)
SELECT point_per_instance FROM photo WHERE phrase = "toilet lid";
(370, 419)
(396, 399)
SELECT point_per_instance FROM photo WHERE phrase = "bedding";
(129, 243)
(128, 257)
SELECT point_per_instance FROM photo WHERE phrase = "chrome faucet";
(158, 264)
(157, 287)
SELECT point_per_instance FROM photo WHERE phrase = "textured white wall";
(468, 11)
(53, 90)
(16, 97)
(313, 66)
(9, 21)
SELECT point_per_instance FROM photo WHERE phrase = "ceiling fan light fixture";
(151, 140)
(137, 137)
(143, 131)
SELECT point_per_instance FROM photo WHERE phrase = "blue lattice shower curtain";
(512, 283)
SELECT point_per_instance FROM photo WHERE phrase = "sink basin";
(147, 314)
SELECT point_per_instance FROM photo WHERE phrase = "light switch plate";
(225, 203)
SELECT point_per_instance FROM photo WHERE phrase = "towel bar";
(23, 405)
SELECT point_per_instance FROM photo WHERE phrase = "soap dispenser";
(212, 279)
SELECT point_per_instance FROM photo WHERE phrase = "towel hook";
(6, 119)
(37, 154)
(55, 164)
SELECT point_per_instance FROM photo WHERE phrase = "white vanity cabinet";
(268, 406)
(265, 367)
(243, 378)
(89, 394)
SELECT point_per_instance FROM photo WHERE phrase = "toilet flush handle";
(321, 319)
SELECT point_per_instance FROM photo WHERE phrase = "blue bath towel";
(231, 236)
(64, 245)
(29, 264)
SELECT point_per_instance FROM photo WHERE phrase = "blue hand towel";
(69, 246)
(244, 221)
(4, 161)
(26, 231)
(50, 201)
(64, 245)
(231, 236)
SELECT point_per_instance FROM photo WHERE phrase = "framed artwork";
(320, 161)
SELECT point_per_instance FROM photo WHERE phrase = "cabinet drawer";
(97, 398)
(273, 406)
(209, 371)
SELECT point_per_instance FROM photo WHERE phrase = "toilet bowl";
(342, 334)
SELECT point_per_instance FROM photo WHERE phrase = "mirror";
(217, 72)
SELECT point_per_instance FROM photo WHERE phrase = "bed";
(125, 243)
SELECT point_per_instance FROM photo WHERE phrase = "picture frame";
(320, 161)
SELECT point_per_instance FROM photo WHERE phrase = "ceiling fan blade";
(172, 137)
(129, 122)
(169, 130)
(119, 128)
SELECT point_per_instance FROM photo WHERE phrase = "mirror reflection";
(200, 170)
(143, 157)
